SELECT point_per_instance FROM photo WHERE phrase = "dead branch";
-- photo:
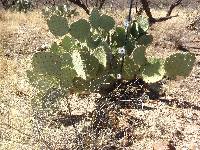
(80, 4)
(165, 18)
(153, 20)
(147, 10)
(178, 2)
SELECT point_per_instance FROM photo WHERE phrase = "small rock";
(163, 145)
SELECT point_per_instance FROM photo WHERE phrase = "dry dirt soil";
(173, 118)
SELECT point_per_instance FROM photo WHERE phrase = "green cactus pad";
(78, 64)
(179, 64)
(145, 40)
(143, 23)
(66, 60)
(153, 71)
(58, 25)
(80, 30)
(130, 46)
(101, 55)
(94, 18)
(93, 42)
(54, 48)
(138, 55)
(130, 69)
(134, 30)
(40, 81)
(119, 37)
(91, 63)
(66, 77)
(47, 63)
(67, 43)
(106, 23)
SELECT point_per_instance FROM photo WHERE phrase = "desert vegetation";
(99, 75)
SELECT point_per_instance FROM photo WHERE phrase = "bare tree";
(153, 20)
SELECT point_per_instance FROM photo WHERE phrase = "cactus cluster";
(59, 10)
(86, 57)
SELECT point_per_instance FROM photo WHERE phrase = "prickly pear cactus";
(95, 18)
(139, 55)
(143, 23)
(61, 10)
(46, 63)
(103, 22)
(106, 23)
(58, 25)
(179, 64)
(80, 30)
(87, 56)
(153, 71)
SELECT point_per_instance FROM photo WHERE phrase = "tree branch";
(80, 4)
(164, 18)
(153, 20)
(178, 2)
(147, 10)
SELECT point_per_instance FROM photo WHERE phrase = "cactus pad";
(106, 23)
(66, 60)
(40, 81)
(66, 77)
(130, 69)
(153, 71)
(93, 42)
(91, 63)
(145, 40)
(134, 30)
(67, 43)
(46, 63)
(138, 55)
(130, 46)
(179, 64)
(101, 55)
(143, 23)
(94, 18)
(80, 30)
(78, 64)
(58, 25)
(54, 48)
(119, 37)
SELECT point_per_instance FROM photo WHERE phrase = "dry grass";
(20, 36)
(23, 33)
